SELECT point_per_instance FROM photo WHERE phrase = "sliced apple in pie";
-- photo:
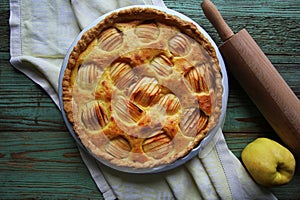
(142, 88)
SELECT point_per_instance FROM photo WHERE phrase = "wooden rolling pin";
(259, 78)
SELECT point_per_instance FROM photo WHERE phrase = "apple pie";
(142, 88)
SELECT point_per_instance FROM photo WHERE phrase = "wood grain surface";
(39, 158)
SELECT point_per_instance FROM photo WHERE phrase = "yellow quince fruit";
(268, 162)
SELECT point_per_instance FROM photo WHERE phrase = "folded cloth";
(41, 33)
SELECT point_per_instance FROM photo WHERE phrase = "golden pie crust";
(142, 88)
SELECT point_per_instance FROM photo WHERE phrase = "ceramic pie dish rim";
(196, 149)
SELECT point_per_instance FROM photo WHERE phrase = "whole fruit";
(268, 162)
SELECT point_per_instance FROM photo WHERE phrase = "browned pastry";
(142, 88)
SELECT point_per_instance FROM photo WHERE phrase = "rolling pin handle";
(214, 16)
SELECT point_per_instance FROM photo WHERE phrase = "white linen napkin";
(41, 33)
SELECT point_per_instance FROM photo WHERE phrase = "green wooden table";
(39, 158)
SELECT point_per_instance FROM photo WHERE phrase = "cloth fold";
(41, 33)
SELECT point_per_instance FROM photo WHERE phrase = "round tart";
(142, 88)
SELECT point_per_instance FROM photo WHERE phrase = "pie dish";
(142, 88)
